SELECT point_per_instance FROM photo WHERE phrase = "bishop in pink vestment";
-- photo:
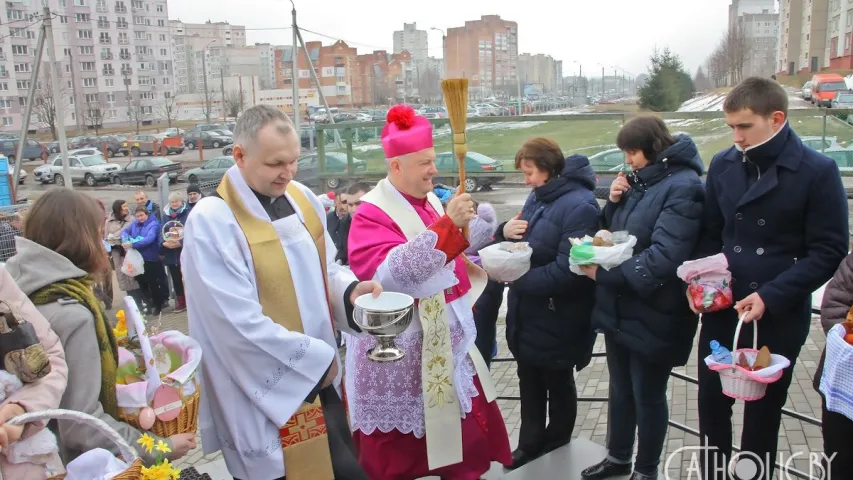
(385, 399)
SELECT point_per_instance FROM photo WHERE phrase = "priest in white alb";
(433, 411)
(264, 298)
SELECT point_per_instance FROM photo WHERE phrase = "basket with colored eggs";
(156, 381)
(173, 231)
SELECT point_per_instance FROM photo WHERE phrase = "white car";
(87, 169)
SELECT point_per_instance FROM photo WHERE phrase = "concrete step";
(565, 463)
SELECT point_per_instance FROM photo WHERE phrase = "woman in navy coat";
(640, 305)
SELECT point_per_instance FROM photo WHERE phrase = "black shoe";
(155, 312)
(605, 469)
(520, 459)
(640, 476)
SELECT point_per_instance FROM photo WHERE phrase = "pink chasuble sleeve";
(378, 250)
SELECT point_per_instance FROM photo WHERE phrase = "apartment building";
(266, 53)
(412, 40)
(788, 43)
(761, 32)
(334, 67)
(749, 7)
(839, 50)
(210, 65)
(188, 39)
(114, 56)
(486, 52)
(539, 69)
(804, 35)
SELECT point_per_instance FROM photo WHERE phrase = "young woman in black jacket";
(648, 327)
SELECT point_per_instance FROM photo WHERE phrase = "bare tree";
(702, 82)
(234, 102)
(168, 109)
(45, 101)
(207, 99)
(134, 110)
(429, 85)
(94, 116)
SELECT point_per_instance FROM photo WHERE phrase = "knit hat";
(405, 132)
(193, 188)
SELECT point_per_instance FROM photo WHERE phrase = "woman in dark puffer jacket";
(837, 429)
(648, 327)
(549, 307)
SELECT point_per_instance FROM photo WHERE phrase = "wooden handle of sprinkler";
(460, 156)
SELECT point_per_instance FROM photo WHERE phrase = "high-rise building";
(115, 62)
(804, 39)
(413, 41)
(190, 38)
(486, 52)
(267, 56)
(839, 51)
(540, 69)
(749, 7)
(760, 33)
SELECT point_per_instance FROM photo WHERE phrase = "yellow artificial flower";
(163, 471)
(147, 442)
(119, 332)
(162, 447)
(122, 323)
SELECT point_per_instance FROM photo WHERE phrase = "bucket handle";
(737, 336)
(367, 328)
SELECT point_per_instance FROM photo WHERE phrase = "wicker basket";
(187, 421)
(134, 470)
(738, 382)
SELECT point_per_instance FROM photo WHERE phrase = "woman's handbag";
(21, 351)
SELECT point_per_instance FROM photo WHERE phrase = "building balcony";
(4, 74)
(103, 24)
(108, 73)
(122, 25)
(2, 56)
(105, 41)
(124, 41)
(106, 56)
(122, 9)
(125, 56)
(101, 8)
(127, 71)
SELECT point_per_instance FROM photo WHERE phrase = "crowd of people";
(270, 276)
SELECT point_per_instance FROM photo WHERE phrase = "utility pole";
(74, 91)
(206, 97)
(222, 90)
(60, 111)
(518, 77)
(28, 108)
(317, 83)
(127, 97)
(294, 71)
(602, 81)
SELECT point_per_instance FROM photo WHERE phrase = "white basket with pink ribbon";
(742, 383)
(156, 387)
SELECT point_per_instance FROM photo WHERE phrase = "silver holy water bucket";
(384, 317)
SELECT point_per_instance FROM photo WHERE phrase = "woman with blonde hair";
(59, 259)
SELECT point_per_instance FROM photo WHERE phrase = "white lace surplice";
(389, 396)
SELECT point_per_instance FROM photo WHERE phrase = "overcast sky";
(589, 33)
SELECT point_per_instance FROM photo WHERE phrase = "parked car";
(112, 144)
(83, 141)
(807, 91)
(146, 171)
(433, 112)
(842, 99)
(203, 127)
(336, 162)
(211, 171)
(88, 169)
(145, 145)
(607, 159)
(448, 170)
(824, 86)
(174, 132)
(821, 143)
(33, 150)
(206, 139)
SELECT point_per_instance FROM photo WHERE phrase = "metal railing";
(499, 138)
(680, 426)
(11, 218)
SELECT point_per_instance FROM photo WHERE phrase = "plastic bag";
(133, 264)
(709, 283)
(584, 253)
(504, 265)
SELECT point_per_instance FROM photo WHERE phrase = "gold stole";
(304, 439)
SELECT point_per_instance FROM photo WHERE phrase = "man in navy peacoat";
(778, 211)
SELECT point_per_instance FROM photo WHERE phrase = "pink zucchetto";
(405, 132)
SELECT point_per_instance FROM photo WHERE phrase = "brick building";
(381, 78)
(486, 52)
(334, 66)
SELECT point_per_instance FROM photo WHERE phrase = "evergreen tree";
(669, 84)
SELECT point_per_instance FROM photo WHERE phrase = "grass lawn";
(588, 137)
